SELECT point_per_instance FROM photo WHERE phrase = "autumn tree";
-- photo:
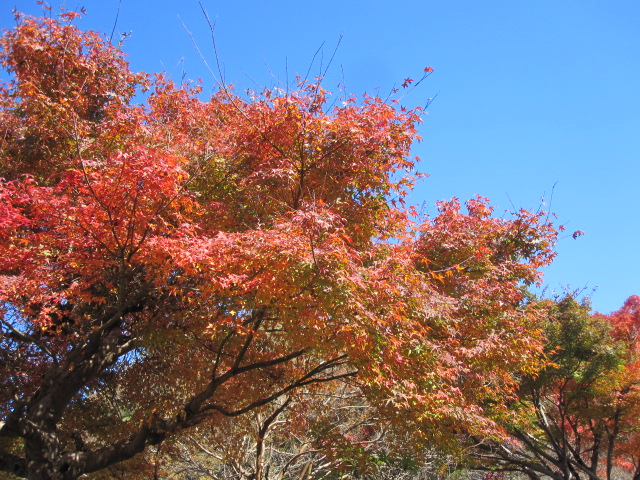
(584, 406)
(182, 262)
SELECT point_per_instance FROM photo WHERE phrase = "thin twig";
(115, 22)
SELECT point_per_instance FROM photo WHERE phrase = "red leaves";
(66, 82)
(70, 16)
(626, 322)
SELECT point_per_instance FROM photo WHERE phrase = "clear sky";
(530, 94)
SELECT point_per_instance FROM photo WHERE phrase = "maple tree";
(584, 406)
(181, 262)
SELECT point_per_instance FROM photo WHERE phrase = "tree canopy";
(169, 261)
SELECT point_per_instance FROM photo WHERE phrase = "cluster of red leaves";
(65, 87)
(624, 386)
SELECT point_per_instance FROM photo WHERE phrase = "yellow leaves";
(437, 276)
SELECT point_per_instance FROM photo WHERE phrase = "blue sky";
(530, 94)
